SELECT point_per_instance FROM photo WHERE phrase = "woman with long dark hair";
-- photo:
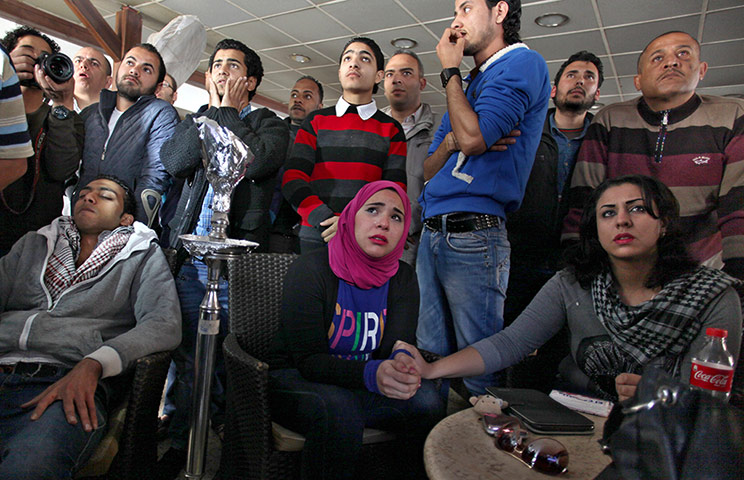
(631, 295)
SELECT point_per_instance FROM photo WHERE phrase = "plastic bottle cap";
(716, 332)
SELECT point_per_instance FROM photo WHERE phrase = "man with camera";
(57, 135)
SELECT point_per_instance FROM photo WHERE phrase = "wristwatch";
(448, 73)
(61, 112)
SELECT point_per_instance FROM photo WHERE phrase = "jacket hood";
(140, 239)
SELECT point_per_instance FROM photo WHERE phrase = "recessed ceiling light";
(552, 20)
(299, 58)
(597, 106)
(405, 43)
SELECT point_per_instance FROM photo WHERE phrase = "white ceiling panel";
(213, 13)
(728, 53)
(262, 8)
(426, 10)
(417, 33)
(320, 28)
(580, 13)
(724, 24)
(722, 76)
(256, 34)
(635, 37)
(296, 24)
(623, 12)
(368, 16)
(560, 47)
(716, 4)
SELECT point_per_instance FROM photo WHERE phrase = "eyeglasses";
(166, 84)
(543, 454)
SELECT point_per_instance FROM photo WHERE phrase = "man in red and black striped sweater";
(339, 149)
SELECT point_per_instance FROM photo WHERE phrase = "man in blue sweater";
(463, 259)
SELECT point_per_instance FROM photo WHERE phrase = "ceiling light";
(404, 43)
(597, 106)
(551, 20)
(300, 58)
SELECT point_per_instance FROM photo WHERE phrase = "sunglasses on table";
(545, 455)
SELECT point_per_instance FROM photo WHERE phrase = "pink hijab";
(348, 260)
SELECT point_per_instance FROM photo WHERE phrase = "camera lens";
(57, 66)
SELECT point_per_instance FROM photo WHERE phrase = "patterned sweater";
(701, 159)
(333, 157)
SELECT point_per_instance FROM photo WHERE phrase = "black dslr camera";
(56, 66)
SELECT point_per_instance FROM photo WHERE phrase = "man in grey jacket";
(80, 301)
(404, 82)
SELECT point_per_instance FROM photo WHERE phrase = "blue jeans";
(462, 279)
(333, 419)
(191, 284)
(47, 448)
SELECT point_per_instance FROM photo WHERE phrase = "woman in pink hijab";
(333, 368)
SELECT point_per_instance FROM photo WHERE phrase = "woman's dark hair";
(587, 258)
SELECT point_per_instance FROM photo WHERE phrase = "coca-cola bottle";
(713, 366)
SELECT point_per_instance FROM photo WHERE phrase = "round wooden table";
(458, 447)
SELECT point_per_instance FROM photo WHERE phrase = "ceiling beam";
(106, 37)
(24, 14)
(129, 28)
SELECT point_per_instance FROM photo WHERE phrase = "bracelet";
(401, 350)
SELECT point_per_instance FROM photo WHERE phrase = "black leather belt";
(31, 369)
(461, 222)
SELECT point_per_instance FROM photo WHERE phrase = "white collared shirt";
(365, 111)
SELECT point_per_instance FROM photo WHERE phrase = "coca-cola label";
(711, 376)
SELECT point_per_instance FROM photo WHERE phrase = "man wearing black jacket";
(235, 71)
(534, 229)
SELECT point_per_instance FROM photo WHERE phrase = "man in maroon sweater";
(341, 148)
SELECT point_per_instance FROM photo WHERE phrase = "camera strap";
(38, 144)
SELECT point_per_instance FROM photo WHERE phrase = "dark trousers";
(333, 419)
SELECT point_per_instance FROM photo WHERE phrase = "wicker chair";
(253, 447)
(132, 444)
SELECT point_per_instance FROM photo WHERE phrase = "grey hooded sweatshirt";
(127, 311)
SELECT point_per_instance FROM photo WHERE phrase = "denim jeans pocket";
(468, 242)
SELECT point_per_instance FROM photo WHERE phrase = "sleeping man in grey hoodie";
(80, 301)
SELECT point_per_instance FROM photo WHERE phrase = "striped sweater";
(333, 157)
(14, 139)
(701, 159)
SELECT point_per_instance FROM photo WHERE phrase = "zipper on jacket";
(661, 138)
(103, 155)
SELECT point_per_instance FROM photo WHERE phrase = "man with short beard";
(535, 229)
(463, 257)
(123, 135)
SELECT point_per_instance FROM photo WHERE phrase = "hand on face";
(451, 48)
(236, 93)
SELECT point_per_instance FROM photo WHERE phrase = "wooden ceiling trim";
(24, 14)
(90, 16)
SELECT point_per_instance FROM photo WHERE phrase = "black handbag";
(670, 431)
